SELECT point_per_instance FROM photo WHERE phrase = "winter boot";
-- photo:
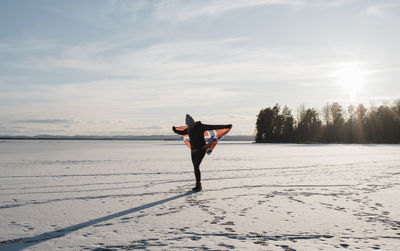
(197, 188)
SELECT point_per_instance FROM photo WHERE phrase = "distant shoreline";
(150, 137)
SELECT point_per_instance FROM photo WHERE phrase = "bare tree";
(301, 113)
(326, 113)
(351, 110)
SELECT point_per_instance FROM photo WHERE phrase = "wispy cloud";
(379, 9)
(145, 128)
(207, 61)
(43, 121)
(167, 74)
(177, 11)
(24, 46)
(141, 83)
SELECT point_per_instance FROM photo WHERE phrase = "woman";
(197, 143)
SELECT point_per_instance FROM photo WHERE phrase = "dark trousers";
(197, 157)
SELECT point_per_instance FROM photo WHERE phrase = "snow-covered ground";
(110, 195)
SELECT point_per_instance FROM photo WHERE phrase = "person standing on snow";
(197, 143)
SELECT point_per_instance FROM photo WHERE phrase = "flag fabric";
(212, 137)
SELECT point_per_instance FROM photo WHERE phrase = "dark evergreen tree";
(264, 125)
(309, 128)
(288, 134)
(272, 126)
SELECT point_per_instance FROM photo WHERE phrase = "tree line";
(332, 125)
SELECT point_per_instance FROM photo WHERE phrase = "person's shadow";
(22, 243)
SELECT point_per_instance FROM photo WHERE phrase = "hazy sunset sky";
(137, 67)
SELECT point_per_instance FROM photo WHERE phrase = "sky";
(109, 67)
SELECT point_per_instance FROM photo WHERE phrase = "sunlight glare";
(352, 78)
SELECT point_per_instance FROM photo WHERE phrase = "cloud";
(132, 7)
(169, 77)
(146, 128)
(43, 121)
(24, 46)
(178, 11)
(19, 130)
(231, 60)
(9, 131)
(378, 10)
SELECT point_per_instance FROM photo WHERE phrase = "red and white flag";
(212, 137)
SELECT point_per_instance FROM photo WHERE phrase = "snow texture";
(111, 195)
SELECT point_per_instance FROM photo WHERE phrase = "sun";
(352, 78)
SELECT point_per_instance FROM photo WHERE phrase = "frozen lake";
(95, 195)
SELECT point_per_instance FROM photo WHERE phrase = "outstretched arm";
(215, 127)
(180, 132)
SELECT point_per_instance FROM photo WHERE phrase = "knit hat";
(189, 120)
